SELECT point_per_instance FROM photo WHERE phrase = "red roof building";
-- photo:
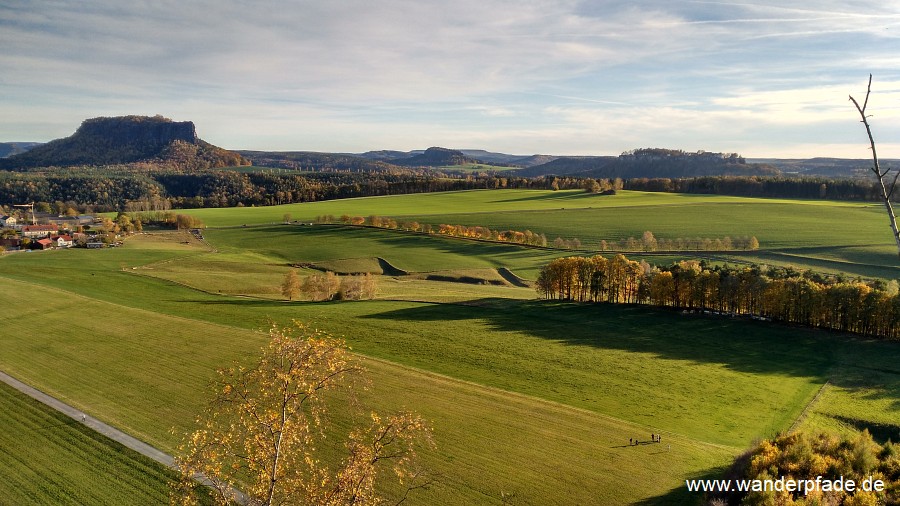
(36, 231)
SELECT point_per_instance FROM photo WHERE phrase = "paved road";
(103, 428)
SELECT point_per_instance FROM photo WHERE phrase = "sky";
(760, 78)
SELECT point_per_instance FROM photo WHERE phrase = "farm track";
(105, 429)
(91, 422)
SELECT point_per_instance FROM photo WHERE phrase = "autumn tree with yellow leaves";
(291, 285)
(262, 431)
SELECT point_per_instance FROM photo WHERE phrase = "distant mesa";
(436, 157)
(124, 140)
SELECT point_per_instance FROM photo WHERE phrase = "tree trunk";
(886, 194)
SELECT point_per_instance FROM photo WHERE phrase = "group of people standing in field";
(654, 438)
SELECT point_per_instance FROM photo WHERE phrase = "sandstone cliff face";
(123, 140)
(139, 130)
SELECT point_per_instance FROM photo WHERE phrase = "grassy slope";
(476, 201)
(465, 341)
(48, 458)
(517, 451)
(410, 252)
(694, 370)
(825, 235)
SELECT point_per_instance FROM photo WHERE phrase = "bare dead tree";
(887, 190)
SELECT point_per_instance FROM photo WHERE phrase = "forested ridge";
(111, 188)
(654, 162)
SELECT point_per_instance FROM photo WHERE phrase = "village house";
(8, 222)
(62, 241)
(44, 243)
(39, 231)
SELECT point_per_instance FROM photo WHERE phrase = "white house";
(63, 241)
(8, 222)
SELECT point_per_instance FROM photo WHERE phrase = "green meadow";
(533, 402)
(829, 236)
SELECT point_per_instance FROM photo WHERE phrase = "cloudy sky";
(762, 78)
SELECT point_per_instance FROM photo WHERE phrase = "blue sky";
(530, 76)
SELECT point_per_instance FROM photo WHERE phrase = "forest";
(134, 186)
(782, 294)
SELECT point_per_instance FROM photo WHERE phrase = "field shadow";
(681, 495)
(735, 343)
(881, 432)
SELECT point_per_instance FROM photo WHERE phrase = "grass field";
(49, 458)
(529, 398)
(518, 452)
(829, 236)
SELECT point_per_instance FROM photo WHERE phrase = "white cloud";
(583, 77)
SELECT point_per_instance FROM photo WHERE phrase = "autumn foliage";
(799, 456)
(786, 295)
(265, 428)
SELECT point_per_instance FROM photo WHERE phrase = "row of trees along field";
(472, 232)
(782, 294)
(648, 242)
(760, 186)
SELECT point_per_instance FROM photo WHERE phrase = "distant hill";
(127, 139)
(436, 157)
(652, 163)
(14, 148)
(567, 165)
(481, 155)
(533, 160)
(828, 167)
(322, 162)
(385, 155)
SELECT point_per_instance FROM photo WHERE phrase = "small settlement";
(45, 231)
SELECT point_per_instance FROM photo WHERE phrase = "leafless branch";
(876, 168)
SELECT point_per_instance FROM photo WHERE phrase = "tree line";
(147, 186)
(757, 186)
(648, 243)
(144, 185)
(782, 294)
(526, 237)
